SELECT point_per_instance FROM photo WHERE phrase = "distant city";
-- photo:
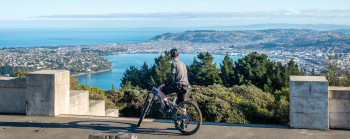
(309, 48)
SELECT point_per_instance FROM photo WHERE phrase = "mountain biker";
(177, 82)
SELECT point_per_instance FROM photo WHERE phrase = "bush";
(217, 110)
(247, 103)
(108, 102)
(133, 100)
(238, 104)
(282, 112)
(256, 114)
(254, 95)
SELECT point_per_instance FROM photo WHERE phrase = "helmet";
(174, 52)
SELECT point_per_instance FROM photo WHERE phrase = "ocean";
(58, 37)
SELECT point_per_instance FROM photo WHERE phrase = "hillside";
(270, 38)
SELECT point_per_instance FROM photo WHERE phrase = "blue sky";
(166, 13)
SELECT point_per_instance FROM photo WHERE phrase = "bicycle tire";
(145, 109)
(150, 105)
(199, 121)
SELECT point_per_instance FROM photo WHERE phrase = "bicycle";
(186, 116)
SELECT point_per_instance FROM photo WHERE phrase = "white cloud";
(334, 13)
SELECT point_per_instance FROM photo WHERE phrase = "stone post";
(47, 92)
(339, 107)
(12, 95)
(308, 102)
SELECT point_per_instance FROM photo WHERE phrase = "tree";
(162, 68)
(347, 70)
(334, 73)
(313, 73)
(258, 70)
(131, 75)
(157, 73)
(11, 70)
(20, 74)
(146, 74)
(293, 68)
(204, 72)
(193, 76)
(74, 84)
(253, 69)
(227, 72)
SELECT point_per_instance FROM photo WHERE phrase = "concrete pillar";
(308, 102)
(339, 107)
(79, 102)
(47, 92)
(97, 108)
(12, 95)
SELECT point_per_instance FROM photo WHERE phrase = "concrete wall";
(308, 102)
(339, 107)
(48, 92)
(97, 108)
(79, 102)
(12, 95)
(112, 112)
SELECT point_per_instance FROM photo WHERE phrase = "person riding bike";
(186, 115)
(177, 82)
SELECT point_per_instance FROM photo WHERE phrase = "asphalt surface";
(80, 127)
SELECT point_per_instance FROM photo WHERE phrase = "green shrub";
(254, 95)
(255, 114)
(282, 111)
(133, 100)
(238, 104)
(217, 110)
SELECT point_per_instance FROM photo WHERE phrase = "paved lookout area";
(80, 127)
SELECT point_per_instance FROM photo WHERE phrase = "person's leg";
(161, 93)
(165, 90)
(182, 97)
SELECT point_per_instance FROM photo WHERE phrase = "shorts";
(181, 93)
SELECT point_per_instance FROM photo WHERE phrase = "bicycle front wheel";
(187, 118)
(144, 110)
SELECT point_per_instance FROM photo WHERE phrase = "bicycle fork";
(159, 98)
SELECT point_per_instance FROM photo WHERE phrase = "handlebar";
(151, 83)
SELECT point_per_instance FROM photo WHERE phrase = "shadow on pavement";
(246, 125)
(230, 124)
(98, 125)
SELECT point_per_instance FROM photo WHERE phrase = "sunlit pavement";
(68, 126)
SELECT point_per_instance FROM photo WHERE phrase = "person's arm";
(172, 75)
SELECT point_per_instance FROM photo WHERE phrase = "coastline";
(93, 72)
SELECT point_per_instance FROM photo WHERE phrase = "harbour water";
(121, 62)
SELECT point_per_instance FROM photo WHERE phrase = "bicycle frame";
(172, 103)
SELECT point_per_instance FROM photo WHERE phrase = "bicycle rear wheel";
(188, 114)
(145, 109)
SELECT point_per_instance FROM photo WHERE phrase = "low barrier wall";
(12, 95)
(339, 107)
(47, 93)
